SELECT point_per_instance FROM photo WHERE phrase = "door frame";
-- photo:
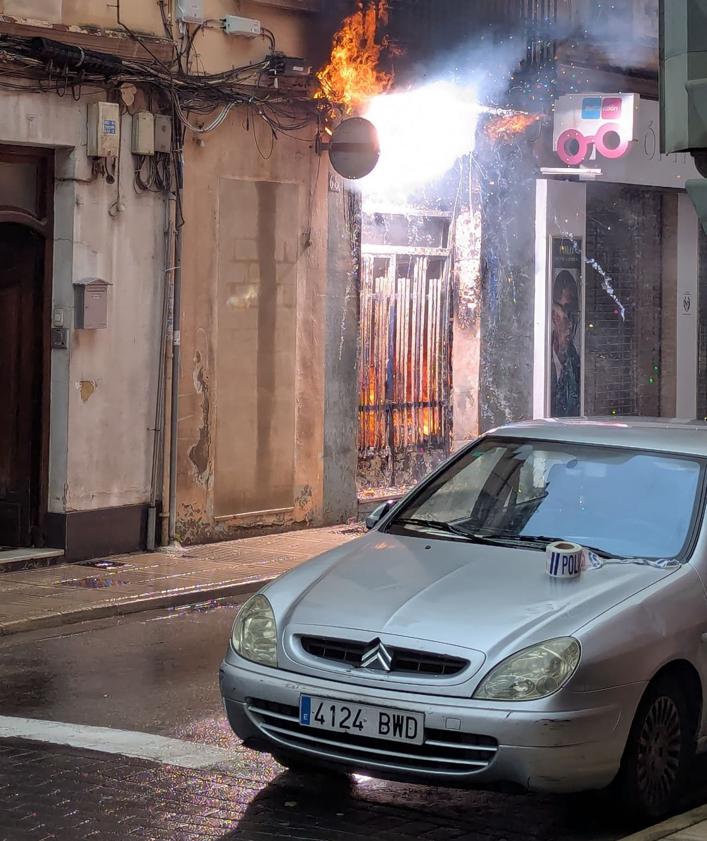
(42, 222)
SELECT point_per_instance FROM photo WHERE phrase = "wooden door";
(21, 368)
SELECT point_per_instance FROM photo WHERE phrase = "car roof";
(670, 435)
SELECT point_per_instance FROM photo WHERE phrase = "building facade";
(226, 245)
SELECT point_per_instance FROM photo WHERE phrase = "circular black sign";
(354, 149)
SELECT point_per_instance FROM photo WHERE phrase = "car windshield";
(624, 503)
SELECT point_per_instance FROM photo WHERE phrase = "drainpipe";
(159, 430)
(167, 400)
(176, 347)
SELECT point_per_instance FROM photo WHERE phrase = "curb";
(671, 826)
(137, 605)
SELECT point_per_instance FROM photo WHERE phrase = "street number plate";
(359, 720)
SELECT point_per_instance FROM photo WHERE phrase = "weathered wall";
(466, 345)
(264, 323)
(218, 245)
(341, 358)
(213, 48)
(508, 289)
(104, 386)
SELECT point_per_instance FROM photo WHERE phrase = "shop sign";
(591, 124)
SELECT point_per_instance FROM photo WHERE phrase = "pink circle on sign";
(617, 152)
(566, 156)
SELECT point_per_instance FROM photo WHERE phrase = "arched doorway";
(25, 294)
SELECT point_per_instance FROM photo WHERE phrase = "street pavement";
(169, 768)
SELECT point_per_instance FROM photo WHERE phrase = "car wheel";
(660, 746)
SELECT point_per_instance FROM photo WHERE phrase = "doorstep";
(12, 560)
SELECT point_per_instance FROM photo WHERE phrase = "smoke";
(425, 128)
(623, 35)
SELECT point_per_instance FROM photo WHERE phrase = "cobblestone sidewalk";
(54, 793)
(69, 593)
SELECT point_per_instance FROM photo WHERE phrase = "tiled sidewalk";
(69, 593)
(691, 826)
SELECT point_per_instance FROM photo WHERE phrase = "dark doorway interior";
(22, 273)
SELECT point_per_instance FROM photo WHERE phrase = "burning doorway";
(405, 346)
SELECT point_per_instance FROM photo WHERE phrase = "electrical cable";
(190, 94)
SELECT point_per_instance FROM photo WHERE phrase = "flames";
(508, 126)
(353, 77)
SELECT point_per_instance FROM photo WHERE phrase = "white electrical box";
(163, 133)
(249, 27)
(190, 11)
(143, 133)
(103, 130)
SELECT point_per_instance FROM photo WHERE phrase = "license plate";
(359, 720)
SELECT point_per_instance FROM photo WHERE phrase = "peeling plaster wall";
(124, 251)
(103, 388)
(342, 312)
(208, 351)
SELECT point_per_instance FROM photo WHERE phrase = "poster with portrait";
(566, 328)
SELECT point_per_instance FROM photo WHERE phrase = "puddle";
(95, 582)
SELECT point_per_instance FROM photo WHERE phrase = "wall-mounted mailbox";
(91, 303)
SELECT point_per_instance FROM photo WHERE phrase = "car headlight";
(531, 674)
(254, 634)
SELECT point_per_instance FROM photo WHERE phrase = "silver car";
(438, 648)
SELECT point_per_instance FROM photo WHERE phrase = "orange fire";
(352, 76)
(508, 126)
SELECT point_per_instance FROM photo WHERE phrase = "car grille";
(444, 752)
(406, 661)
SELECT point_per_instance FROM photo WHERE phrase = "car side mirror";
(377, 515)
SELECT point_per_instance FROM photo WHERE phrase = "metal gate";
(623, 354)
(405, 383)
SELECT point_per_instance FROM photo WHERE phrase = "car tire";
(658, 753)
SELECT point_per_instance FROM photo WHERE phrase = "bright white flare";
(423, 132)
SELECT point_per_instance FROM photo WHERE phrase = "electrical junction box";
(143, 133)
(91, 304)
(190, 11)
(280, 64)
(103, 130)
(163, 133)
(249, 27)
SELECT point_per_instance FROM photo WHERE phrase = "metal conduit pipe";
(159, 428)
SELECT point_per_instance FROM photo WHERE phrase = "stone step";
(17, 559)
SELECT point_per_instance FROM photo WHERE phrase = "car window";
(455, 497)
(625, 502)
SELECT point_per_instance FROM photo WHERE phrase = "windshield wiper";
(439, 525)
(500, 538)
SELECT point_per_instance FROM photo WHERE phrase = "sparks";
(509, 125)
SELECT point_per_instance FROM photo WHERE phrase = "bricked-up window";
(623, 355)
(702, 334)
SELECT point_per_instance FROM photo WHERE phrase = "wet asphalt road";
(157, 673)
